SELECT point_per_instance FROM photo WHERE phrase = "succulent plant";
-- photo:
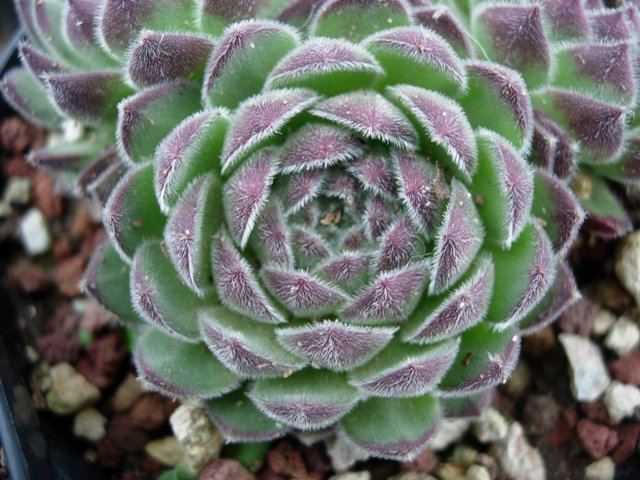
(320, 213)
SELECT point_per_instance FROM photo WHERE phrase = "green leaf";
(180, 472)
(107, 281)
(250, 455)
(179, 369)
(393, 428)
(28, 97)
(132, 214)
(606, 215)
(68, 156)
(239, 420)
(626, 168)
(160, 297)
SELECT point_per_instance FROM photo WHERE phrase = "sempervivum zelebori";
(319, 210)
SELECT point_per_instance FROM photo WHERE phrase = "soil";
(58, 325)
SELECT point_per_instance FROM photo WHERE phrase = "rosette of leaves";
(579, 60)
(319, 213)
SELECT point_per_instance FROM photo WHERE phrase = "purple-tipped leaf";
(377, 217)
(38, 62)
(609, 25)
(246, 193)
(375, 173)
(389, 297)
(189, 229)
(89, 97)
(79, 31)
(437, 319)
(68, 156)
(237, 285)
(552, 148)
(302, 293)
(398, 246)
(347, 269)
(248, 50)
(186, 153)
(318, 146)
(444, 124)
(146, 118)
(458, 240)
(259, 119)
(514, 35)
(566, 19)
(302, 188)
(370, 115)
(308, 245)
(161, 57)
(247, 348)
(625, 169)
(273, 237)
(27, 96)
(439, 19)
(335, 345)
(327, 65)
(49, 21)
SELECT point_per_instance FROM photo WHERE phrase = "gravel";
(589, 375)
(34, 232)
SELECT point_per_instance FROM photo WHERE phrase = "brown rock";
(82, 223)
(627, 441)
(579, 317)
(126, 394)
(67, 275)
(539, 343)
(425, 462)
(596, 439)
(268, 474)
(16, 166)
(29, 277)
(62, 248)
(61, 344)
(596, 411)
(150, 412)
(627, 369)
(226, 469)
(127, 436)
(286, 459)
(106, 355)
(540, 414)
(44, 196)
(563, 429)
(18, 136)
(109, 454)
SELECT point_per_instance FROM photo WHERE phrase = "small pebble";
(519, 381)
(627, 266)
(603, 469)
(127, 393)
(225, 469)
(18, 191)
(622, 401)
(34, 232)
(343, 453)
(519, 460)
(627, 368)
(490, 427)
(596, 439)
(199, 438)
(623, 336)
(449, 471)
(90, 425)
(478, 472)
(463, 455)
(352, 476)
(166, 450)
(69, 391)
(589, 375)
(412, 476)
(450, 431)
(603, 322)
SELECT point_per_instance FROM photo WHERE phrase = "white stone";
(199, 438)
(412, 476)
(478, 472)
(449, 471)
(603, 469)
(90, 424)
(352, 476)
(17, 191)
(623, 336)
(627, 266)
(34, 232)
(344, 453)
(589, 375)
(449, 431)
(518, 459)
(490, 427)
(622, 401)
(166, 450)
(602, 322)
(69, 391)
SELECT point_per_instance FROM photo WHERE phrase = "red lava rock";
(579, 317)
(67, 275)
(29, 277)
(596, 439)
(44, 196)
(18, 167)
(105, 357)
(627, 368)
(18, 136)
(425, 462)
(150, 412)
(62, 248)
(95, 318)
(268, 474)
(286, 459)
(563, 430)
(596, 411)
(109, 454)
(127, 436)
(627, 441)
(538, 344)
(225, 469)
(82, 223)
(316, 459)
(61, 345)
